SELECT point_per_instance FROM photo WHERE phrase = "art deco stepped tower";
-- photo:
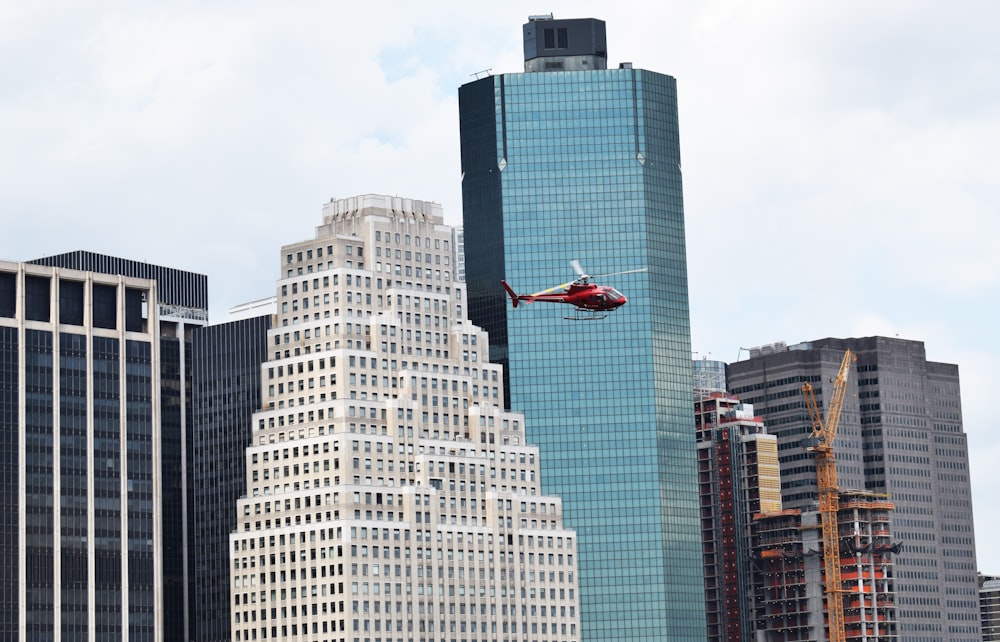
(576, 160)
(389, 495)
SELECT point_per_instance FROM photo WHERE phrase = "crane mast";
(820, 444)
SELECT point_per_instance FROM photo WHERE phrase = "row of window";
(102, 299)
(405, 239)
(308, 254)
(425, 626)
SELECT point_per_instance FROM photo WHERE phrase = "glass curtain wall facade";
(176, 491)
(226, 392)
(78, 545)
(10, 469)
(586, 165)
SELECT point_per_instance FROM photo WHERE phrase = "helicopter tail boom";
(515, 299)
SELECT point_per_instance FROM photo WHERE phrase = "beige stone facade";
(389, 495)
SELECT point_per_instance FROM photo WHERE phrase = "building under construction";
(790, 590)
(738, 477)
(989, 607)
(900, 433)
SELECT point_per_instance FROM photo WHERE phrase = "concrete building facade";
(93, 416)
(389, 496)
(575, 160)
(458, 243)
(900, 434)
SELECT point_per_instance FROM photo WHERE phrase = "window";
(552, 35)
(104, 308)
(71, 302)
(37, 298)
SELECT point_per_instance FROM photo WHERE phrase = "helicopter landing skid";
(593, 317)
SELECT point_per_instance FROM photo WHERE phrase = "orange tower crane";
(820, 444)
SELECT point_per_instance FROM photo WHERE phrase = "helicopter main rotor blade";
(557, 288)
(598, 276)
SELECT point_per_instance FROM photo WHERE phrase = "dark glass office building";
(227, 359)
(901, 434)
(572, 160)
(92, 420)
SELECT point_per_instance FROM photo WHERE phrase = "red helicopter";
(580, 293)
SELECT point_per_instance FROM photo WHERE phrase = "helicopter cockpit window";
(613, 294)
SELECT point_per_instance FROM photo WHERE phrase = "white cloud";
(839, 159)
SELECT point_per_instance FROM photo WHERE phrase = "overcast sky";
(841, 163)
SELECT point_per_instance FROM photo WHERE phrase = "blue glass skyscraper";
(571, 160)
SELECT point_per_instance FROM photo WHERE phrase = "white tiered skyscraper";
(390, 497)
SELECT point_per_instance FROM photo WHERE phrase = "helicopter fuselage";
(585, 296)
